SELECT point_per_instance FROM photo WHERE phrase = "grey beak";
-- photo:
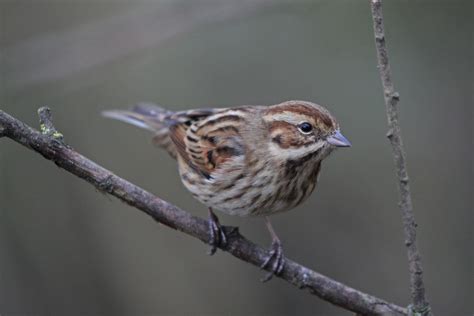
(338, 140)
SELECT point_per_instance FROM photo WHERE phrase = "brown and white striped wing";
(211, 146)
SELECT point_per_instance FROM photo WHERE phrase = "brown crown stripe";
(305, 110)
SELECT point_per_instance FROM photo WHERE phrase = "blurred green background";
(67, 249)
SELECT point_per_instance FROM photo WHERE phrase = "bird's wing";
(211, 144)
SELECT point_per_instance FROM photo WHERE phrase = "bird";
(250, 161)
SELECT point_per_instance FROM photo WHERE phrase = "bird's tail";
(151, 117)
(144, 115)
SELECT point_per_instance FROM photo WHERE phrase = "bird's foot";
(275, 260)
(217, 234)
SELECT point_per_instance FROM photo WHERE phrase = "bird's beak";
(338, 140)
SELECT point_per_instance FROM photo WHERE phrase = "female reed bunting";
(246, 160)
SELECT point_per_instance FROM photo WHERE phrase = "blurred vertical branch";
(420, 305)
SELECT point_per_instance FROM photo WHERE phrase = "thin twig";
(417, 288)
(46, 124)
(171, 216)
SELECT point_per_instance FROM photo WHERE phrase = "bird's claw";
(217, 235)
(276, 260)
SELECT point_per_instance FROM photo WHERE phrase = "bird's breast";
(259, 189)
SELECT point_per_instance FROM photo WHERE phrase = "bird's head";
(298, 129)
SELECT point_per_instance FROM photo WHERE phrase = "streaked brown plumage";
(245, 161)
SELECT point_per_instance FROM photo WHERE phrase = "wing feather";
(207, 144)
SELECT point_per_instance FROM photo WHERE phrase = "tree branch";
(420, 305)
(52, 147)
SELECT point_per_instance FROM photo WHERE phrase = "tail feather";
(148, 116)
(128, 117)
(158, 120)
(144, 115)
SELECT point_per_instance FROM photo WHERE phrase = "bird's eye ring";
(305, 127)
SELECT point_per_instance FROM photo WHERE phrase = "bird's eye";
(305, 127)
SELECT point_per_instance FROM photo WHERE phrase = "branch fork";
(46, 124)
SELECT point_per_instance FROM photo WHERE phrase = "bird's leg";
(275, 258)
(217, 235)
